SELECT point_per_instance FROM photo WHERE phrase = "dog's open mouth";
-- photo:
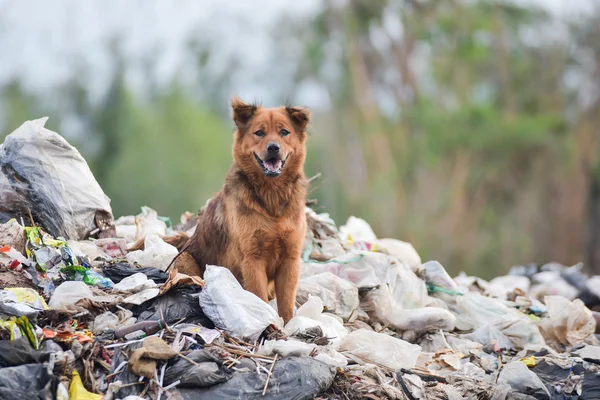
(271, 166)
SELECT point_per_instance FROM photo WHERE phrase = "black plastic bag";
(25, 382)
(173, 306)
(19, 352)
(124, 375)
(293, 378)
(210, 371)
(119, 271)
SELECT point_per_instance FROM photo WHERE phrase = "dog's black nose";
(273, 148)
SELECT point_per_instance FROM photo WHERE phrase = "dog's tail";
(178, 240)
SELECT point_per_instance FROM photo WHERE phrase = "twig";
(241, 353)
(313, 178)
(269, 376)
(31, 217)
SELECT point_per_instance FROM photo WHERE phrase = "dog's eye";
(284, 132)
(260, 133)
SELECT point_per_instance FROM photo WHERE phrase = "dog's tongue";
(273, 165)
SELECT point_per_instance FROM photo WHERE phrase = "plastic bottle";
(145, 328)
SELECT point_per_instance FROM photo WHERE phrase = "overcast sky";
(39, 40)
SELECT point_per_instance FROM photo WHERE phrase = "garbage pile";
(81, 317)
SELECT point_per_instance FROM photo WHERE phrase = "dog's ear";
(300, 116)
(242, 112)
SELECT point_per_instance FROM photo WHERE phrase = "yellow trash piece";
(78, 392)
(529, 361)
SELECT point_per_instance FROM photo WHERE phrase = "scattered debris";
(86, 319)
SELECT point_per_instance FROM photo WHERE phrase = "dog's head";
(269, 141)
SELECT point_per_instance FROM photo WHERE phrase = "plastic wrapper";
(293, 378)
(310, 315)
(210, 371)
(522, 380)
(370, 346)
(45, 174)
(22, 301)
(339, 296)
(231, 308)
(157, 253)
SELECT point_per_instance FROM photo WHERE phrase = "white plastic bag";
(68, 293)
(403, 251)
(502, 285)
(381, 348)
(42, 172)
(436, 275)
(135, 283)
(132, 228)
(382, 307)
(238, 312)
(339, 296)
(286, 348)
(156, 254)
(357, 229)
(311, 315)
(474, 311)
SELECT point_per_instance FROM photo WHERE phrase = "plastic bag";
(231, 308)
(500, 286)
(382, 307)
(522, 380)
(174, 306)
(568, 323)
(132, 228)
(135, 283)
(310, 314)
(86, 248)
(437, 278)
(403, 251)
(157, 253)
(210, 371)
(45, 174)
(489, 334)
(338, 295)
(119, 271)
(286, 348)
(381, 348)
(29, 381)
(357, 229)
(70, 292)
(293, 378)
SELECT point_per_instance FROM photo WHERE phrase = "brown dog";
(255, 225)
